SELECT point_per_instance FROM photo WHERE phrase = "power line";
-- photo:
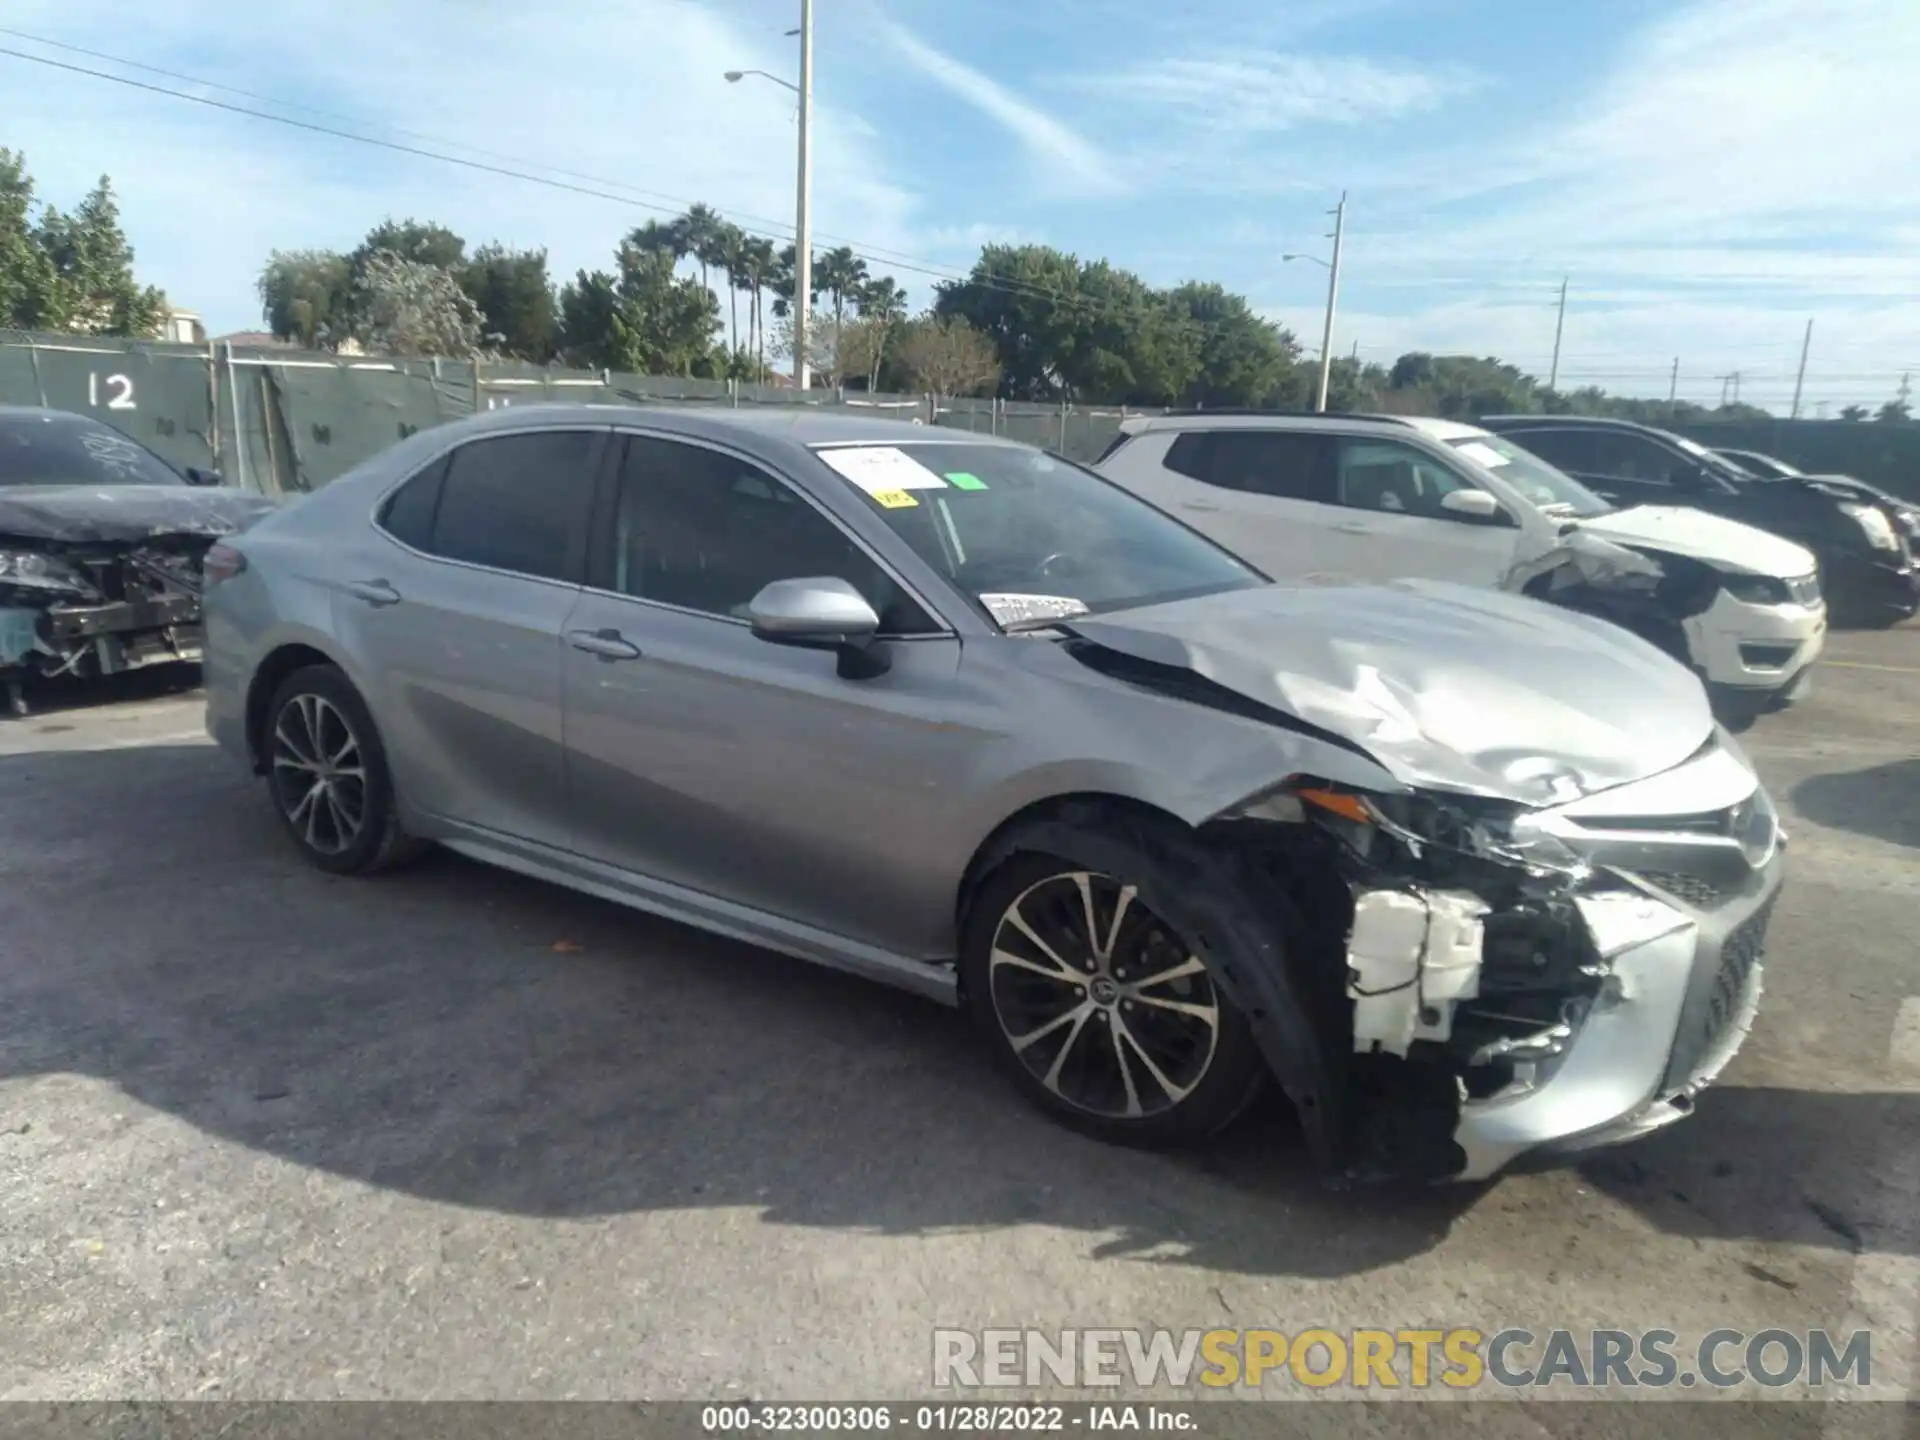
(678, 203)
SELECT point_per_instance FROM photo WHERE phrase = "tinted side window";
(1571, 450)
(516, 502)
(700, 529)
(408, 513)
(1287, 465)
(1397, 479)
(1626, 456)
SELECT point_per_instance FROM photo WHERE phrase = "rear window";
(64, 450)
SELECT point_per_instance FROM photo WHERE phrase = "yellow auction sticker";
(894, 499)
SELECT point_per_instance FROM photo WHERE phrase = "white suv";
(1309, 497)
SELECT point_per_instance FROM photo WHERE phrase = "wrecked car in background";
(1467, 874)
(1380, 497)
(1905, 512)
(101, 545)
(1867, 569)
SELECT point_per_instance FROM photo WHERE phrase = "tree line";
(699, 296)
(68, 272)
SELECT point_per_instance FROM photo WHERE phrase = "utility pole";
(1559, 328)
(803, 219)
(1725, 380)
(1673, 384)
(1736, 387)
(1800, 380)
(1333, 295)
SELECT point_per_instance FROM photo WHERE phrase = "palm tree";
(730, 254)
(840, 273)
(700, 230)
(758, 264)
(884, 302)
(657, 237)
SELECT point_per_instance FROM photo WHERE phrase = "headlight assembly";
(1755, 589)
(31, 570)
(1873, 524)
(1492, 830)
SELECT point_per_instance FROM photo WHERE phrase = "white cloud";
(1073, 165)
(630, 89)
(1261, 93)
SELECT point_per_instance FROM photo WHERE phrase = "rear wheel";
(327, 772)
(1100, 1008)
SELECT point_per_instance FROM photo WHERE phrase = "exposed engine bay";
(1497, 950)
(93, 608)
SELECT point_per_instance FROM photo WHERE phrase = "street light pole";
(1333, 295)
(803, 219)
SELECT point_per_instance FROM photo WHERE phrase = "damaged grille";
(1695, 890)
(1738, 957)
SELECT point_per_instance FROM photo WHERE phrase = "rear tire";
(327, 773)
(1130, 1038)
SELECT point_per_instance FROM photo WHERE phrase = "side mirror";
(1474, 504)
(820, 612)
(197, 476)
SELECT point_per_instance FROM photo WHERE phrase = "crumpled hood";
(80, 514)
(1700, 536)
(1445, 685)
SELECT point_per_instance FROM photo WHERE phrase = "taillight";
(222, 562)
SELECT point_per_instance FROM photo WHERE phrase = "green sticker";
(961, 480)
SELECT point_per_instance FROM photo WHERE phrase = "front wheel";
(327, 772)
(1098, 1007)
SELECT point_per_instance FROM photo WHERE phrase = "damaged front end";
(95, 607)
(1510, 978)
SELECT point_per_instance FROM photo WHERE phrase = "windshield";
(1028, 537)
(1762, 465)
(66, 450)
(1536, 480)
(1712, 461)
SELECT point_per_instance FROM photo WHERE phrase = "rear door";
(1266, 495)
(454, 628)
(1393, 524)
(753, 773)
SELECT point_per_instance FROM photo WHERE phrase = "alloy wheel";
(1102, 1001)
(319, 773)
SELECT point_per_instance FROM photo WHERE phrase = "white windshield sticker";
(881, 469)
(1018, 609)
(1482, 454)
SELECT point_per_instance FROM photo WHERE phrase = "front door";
(1391, 494)
(751, 772)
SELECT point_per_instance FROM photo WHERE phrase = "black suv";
(1866, 568)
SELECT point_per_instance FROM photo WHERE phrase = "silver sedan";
(1464, 874)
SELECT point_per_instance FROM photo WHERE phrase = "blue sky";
(1710, 173)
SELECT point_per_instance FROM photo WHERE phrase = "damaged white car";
(1467, 875)
(1386, 497)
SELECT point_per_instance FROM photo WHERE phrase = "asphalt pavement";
(451, 1133)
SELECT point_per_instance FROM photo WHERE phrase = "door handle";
(1197, 505)
(374, 592)
(1350, 529)
(607, 644)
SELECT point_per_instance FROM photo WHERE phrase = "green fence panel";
(160, 395)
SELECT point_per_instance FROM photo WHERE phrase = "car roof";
(1597, 422)
(797, 424)
(46, 412)
(1265, 420)
(1445, 429)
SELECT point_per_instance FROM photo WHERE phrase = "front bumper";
(1755, 648)
(1679, 999)
(103, 639)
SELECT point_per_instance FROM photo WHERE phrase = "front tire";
(327, 773)
(1099, 1008)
